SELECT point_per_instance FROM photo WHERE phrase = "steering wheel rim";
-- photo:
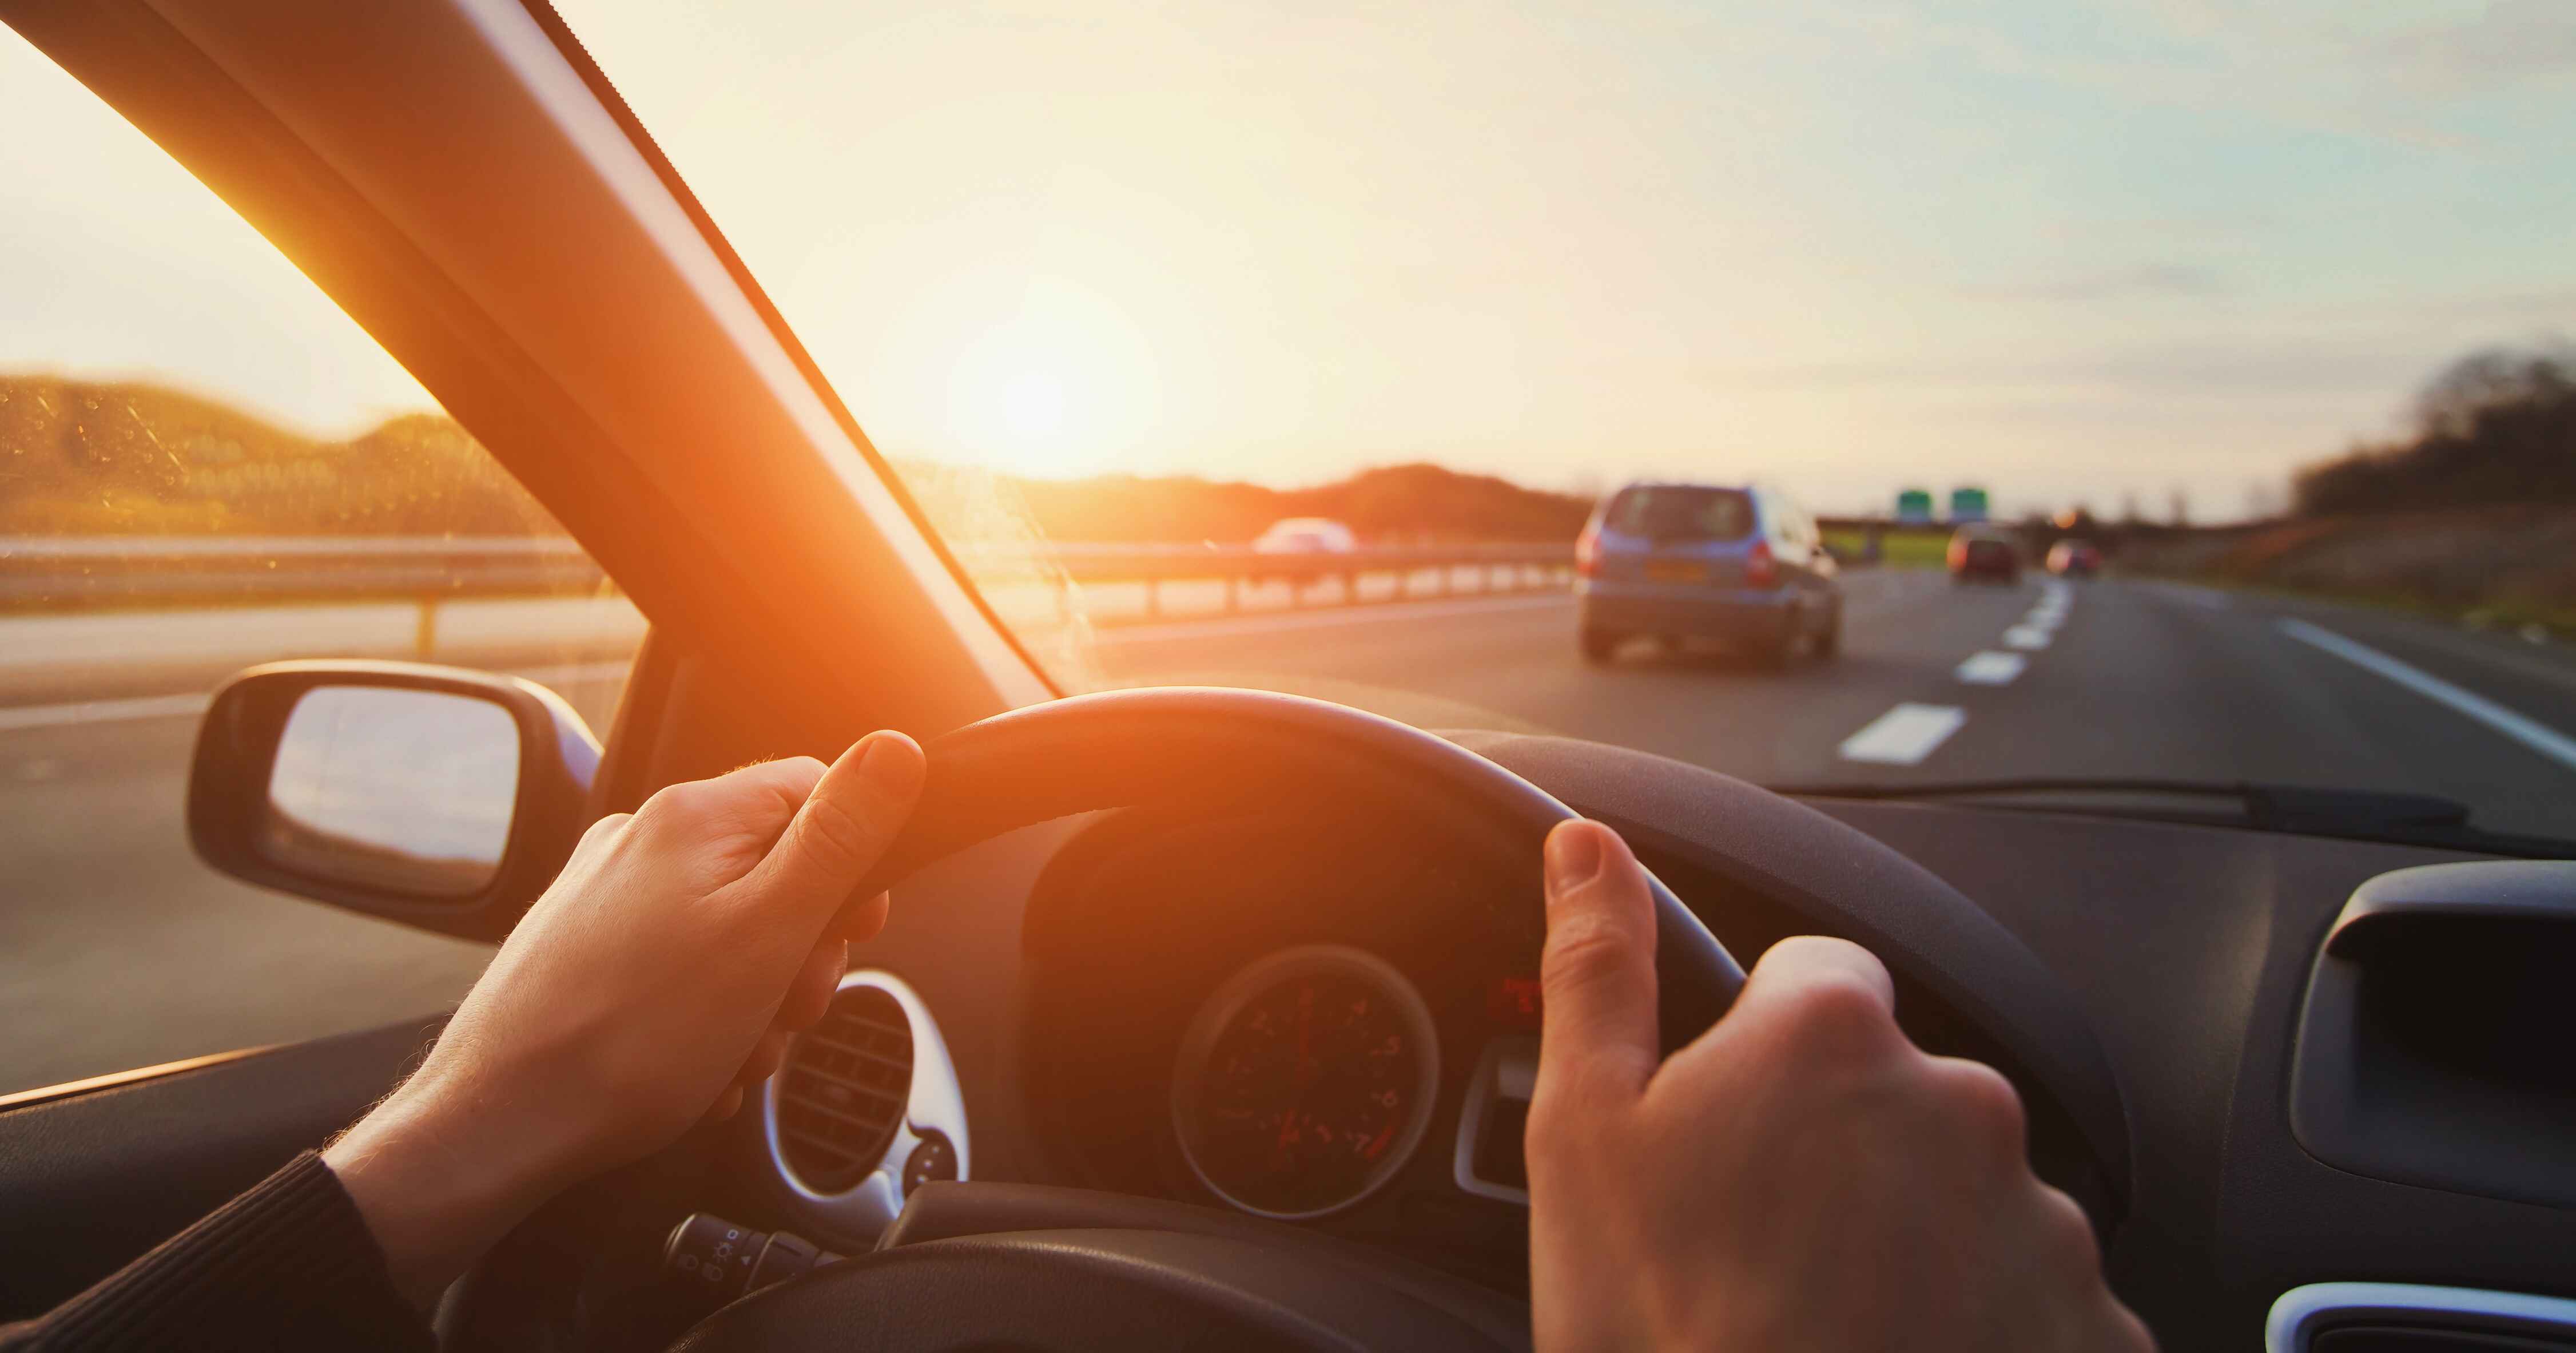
(1126, 748)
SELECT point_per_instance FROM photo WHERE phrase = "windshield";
(2262, 305)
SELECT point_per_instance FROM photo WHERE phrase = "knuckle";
(2067, 1232)
(840, 836)
(1839, 1018)
(604, 828)
(678, 806)
(1986, 1104)
(2128, 1334)
(1584, 951)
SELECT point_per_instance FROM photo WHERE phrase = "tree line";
(2495, 427)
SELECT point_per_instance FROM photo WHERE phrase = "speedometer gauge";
(1305, 1082)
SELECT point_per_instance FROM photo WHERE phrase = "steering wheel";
(1123, 1272)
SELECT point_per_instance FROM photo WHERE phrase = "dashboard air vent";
(844, 1090)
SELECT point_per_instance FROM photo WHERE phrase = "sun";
(1031, 405)
(1064, 387)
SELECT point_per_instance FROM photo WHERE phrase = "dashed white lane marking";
(193, 704)
(1905, 735)
(2531, 733)
(2026, 637)
(1992, 669)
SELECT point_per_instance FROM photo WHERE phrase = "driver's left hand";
(654, 983)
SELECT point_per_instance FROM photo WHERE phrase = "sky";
(2070, 252)
(114, 262)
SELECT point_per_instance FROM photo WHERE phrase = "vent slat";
(844, 1089)
(893, 1103)
(819, 1145)
(904, 1062)
(883, 1094)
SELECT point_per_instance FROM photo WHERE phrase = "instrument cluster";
(1322, 1018)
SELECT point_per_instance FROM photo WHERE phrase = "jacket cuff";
(290, 1264)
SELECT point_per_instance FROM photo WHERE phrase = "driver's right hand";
(1801, 1177)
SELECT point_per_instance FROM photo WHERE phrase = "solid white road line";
(191, 705)
(102, 711)
(1992, 669)
(2531, 733)
(1367, 613)
(2026, 636)
(1904, 735)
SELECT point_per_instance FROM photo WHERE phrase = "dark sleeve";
(288, 1265)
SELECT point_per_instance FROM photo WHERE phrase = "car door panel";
(95, 1178)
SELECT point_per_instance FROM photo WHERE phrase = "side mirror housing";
(436, 796)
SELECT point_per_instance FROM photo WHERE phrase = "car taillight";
(1587, 552)
(1760, 569)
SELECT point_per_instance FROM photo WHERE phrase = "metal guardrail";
(1417, 570)
(81, 572)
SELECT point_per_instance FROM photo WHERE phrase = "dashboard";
(1324, 1014)
(1328, 1014)
(1319, 1014)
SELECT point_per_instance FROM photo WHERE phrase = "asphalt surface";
(118, 949)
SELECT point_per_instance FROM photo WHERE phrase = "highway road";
(118, 949)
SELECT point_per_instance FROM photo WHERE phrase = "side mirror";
(435, 796)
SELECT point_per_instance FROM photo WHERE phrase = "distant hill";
(85, 458)
(92, 458)
(1391, 503)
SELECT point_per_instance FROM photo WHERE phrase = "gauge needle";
(1297, 1097)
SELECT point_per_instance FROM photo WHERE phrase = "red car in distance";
(2074, 559)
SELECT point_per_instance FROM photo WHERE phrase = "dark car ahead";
(1740, 565)
(1984, 553)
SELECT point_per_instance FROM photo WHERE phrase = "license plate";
(1676, 571)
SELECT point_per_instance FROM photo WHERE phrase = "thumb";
(844, 827)
(1598, 971)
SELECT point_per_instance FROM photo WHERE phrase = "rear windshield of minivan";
(1669, 512)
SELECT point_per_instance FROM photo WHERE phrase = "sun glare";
(1060, 388)
(1032, 406)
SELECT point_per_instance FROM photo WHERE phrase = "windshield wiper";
(2309, 810)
